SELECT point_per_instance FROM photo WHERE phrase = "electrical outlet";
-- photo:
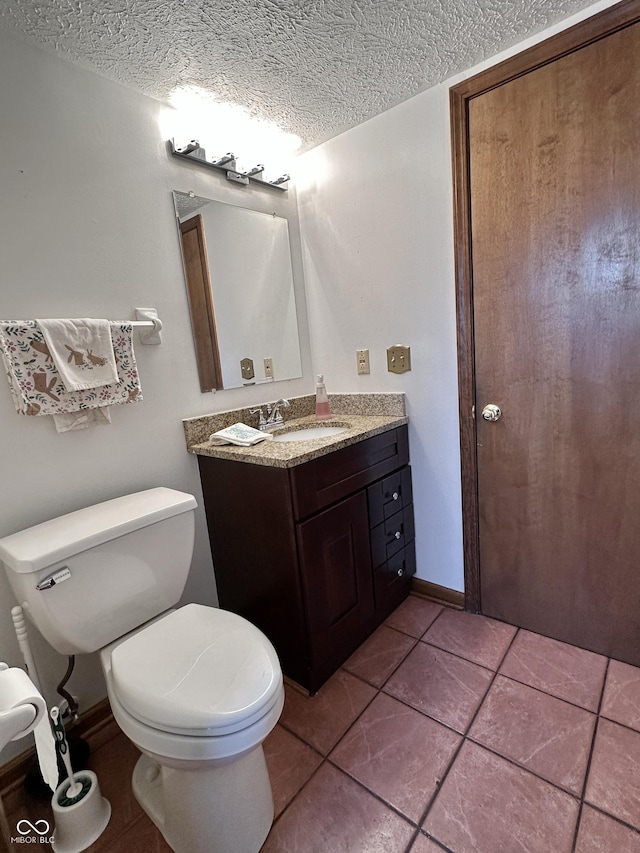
(268, 368)
(362, 360)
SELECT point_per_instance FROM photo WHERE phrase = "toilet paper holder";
(21, 705)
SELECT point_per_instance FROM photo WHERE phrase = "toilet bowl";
(196, 689)
(199, 689)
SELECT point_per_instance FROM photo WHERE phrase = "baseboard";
(435, 592)
(88, 726)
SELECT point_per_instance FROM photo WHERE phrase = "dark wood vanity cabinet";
(316, 555)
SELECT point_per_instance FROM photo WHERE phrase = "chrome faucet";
(273, 416)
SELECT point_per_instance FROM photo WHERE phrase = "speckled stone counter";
(363, 415)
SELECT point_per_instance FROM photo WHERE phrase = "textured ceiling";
(315, 67)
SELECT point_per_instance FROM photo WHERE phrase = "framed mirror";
(237, 265)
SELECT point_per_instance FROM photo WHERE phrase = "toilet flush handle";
(60, 575)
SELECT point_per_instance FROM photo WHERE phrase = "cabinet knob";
(397, 534)
(400, 572)
(395, 496)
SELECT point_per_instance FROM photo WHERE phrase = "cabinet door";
(337, 582)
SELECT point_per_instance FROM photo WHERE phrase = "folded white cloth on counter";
(240, 434)
(81, 351)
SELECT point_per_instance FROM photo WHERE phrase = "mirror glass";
(239, 279)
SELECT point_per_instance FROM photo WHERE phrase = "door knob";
(491, 412)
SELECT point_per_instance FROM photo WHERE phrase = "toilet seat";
(198, 671)
(189, 752)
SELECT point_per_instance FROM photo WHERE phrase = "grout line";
(301, 739)
(420, 833)
(589, 760)
(439, 844)
(547, 693)
(468, 660)
(277, 819)
(440, 783)
(393, 671)
(412, 840)
(376, 796)
(463, 739)
(634, 829)
(617, 723)
(528, 770)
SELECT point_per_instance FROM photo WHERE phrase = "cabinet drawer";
(323, 481)
(393, 580)
(392, 535)
(389, 495)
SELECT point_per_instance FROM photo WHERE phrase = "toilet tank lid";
(45, 544)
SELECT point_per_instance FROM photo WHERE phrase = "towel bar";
(146, 317)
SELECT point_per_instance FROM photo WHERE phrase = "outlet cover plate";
(362, 361)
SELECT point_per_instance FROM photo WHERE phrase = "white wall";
(87, 228)
(376, 215)
(376, 219)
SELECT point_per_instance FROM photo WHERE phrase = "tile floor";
(444, 731)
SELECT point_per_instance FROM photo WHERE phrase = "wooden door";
(203, 316)
(553, 234)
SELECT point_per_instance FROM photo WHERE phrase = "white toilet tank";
(89, 577)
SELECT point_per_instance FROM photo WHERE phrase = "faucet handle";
(274, 414)
(262, 423)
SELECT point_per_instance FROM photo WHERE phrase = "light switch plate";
(246, 367)
(268, 368)
(398, 358)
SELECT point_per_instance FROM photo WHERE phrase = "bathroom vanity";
(313, 541)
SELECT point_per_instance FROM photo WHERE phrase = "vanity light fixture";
(228, 160)
(227, 163)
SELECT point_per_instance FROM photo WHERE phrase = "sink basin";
(310, 433)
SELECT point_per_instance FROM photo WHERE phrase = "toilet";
(197, 689)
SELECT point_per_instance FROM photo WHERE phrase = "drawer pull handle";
(397, 534)
(395, 496)
(400, 572)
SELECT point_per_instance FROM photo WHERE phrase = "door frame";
(592, 29)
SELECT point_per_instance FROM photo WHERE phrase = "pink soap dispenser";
(322, 400)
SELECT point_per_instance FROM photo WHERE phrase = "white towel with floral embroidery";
(81, 351)
(34, 381)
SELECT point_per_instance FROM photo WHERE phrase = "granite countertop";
(370, 415)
